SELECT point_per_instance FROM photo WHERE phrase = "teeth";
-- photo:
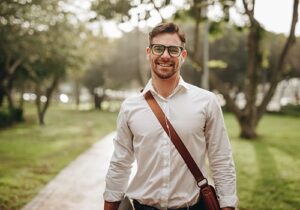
(164, 65)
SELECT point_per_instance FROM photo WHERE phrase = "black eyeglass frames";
(159, 49)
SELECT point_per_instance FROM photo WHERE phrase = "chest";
(187, 117)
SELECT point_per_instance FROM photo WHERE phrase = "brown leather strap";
(169, 129)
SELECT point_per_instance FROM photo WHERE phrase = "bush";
(17, 114)
(7, 117)
(292, 110)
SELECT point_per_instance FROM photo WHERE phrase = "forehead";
(167, 39)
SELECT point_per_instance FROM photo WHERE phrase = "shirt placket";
(166, 160)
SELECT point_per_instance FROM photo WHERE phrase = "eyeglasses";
(159, 49)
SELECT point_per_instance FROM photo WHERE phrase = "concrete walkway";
(81, 184)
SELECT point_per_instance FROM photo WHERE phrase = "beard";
(168, 70)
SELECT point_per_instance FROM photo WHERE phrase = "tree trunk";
(249, 117)
(2, 94)
(248, 127)
(139, 70)
(277, 74)
(97, 101)
(41, 118)
(77, 93)
(38, 104)
(21, 102)
(42, 108)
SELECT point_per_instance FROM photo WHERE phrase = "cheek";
(181, 61)
(153, 60)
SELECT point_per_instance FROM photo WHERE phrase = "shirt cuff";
(228, 201)
(113, 196)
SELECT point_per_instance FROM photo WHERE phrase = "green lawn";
(31, 155)
(268, 168)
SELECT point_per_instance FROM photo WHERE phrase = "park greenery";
(267, 169)
(31, 156)
(44, 44)
(256, 60)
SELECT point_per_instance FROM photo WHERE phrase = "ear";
(148, 50)
(184, 54)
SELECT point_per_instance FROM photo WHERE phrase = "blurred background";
(66, 66)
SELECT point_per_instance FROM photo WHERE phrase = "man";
(163, 180)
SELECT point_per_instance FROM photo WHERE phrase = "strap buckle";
(202, 183)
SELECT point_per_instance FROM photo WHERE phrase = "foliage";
(31, 156)
(128, 60)
(256, 60)
(112, 9)
(230, 49)
(123, 68)
(94, 77)
(293, 63)
(39, 43)
(289, 110)
(8, 117)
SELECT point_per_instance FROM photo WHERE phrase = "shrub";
(7, 117)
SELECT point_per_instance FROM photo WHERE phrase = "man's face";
(166, 66)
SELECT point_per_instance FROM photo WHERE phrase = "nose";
(165, 54)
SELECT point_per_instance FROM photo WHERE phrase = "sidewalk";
(80, 185)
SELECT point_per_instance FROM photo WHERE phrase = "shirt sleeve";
(220, 155)
(121, 162)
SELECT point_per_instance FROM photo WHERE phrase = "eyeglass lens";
(158, 49)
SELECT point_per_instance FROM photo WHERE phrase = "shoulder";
(200, 92)
(132, 102)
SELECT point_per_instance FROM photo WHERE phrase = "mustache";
(168, 61)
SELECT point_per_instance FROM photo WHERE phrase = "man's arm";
(111, 205)
(121, 163)
(220, 156)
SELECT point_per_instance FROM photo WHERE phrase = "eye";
(158, 48)
(174, 50)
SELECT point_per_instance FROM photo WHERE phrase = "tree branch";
(277, 74)
(157, 9)
(249, 12)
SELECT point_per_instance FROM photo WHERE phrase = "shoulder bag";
(207, 192)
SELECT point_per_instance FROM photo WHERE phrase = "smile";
(165, 64)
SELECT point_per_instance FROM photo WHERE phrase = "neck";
(165, 87)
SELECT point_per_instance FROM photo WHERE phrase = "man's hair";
(167, 28)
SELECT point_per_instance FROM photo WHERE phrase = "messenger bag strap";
(169, 129)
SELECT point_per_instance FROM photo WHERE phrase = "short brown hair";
(167, 28)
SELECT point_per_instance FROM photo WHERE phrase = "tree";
(120, 11)
(94, 80)
(250, 115)
(50, 65)
(35, 39)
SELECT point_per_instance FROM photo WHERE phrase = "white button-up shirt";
(162, 179)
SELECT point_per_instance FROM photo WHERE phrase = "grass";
(31, 155)
(267, 168)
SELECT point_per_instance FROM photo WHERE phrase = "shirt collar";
(181, 84)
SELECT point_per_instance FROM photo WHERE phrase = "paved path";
(80, 185)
